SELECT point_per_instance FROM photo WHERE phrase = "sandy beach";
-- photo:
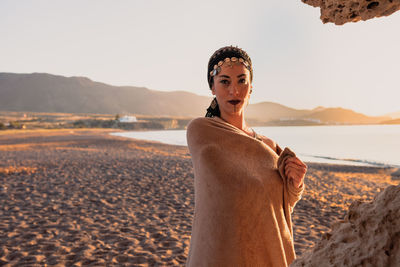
(86, 198)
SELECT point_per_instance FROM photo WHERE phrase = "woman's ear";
(213, 89)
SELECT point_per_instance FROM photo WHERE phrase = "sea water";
(376, 145)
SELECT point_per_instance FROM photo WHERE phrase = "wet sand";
(83, 197)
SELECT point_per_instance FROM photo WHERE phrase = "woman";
(245, 186)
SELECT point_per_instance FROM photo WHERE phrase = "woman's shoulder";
(206, 122)
(198, 126)
(197, 123)
(271, 143)
(200, 131)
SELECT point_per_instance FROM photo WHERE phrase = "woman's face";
(232, 87)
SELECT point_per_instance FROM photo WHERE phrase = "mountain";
(319, 108)
(269, 111)
(344, 116)
(42, 92)
(394, 121)
(394, 115)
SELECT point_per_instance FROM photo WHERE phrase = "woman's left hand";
(295, 169)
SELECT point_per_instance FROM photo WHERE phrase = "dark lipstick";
(234, 102)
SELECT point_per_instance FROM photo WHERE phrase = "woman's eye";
(224, 81)
(242, 80)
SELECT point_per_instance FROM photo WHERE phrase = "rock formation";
(342, 11)
(368, 236)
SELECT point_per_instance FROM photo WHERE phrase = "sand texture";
(85, 198)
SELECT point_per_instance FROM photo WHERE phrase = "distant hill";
(395, 121)
(41, 92)
(394, 115)
(268, 111)
(340, 115)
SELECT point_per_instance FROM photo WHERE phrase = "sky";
(165, 45)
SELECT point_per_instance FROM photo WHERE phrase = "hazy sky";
(166, 44)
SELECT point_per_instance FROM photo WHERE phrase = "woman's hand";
(295, 170)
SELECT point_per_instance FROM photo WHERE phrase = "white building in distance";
(127, 119)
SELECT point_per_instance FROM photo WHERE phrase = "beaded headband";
(217, 67)
(227, 55)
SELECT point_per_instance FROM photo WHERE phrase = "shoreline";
(89, 198)
(177, 141)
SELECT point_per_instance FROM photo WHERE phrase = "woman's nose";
(234, 90)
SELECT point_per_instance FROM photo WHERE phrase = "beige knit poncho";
(243, 201)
